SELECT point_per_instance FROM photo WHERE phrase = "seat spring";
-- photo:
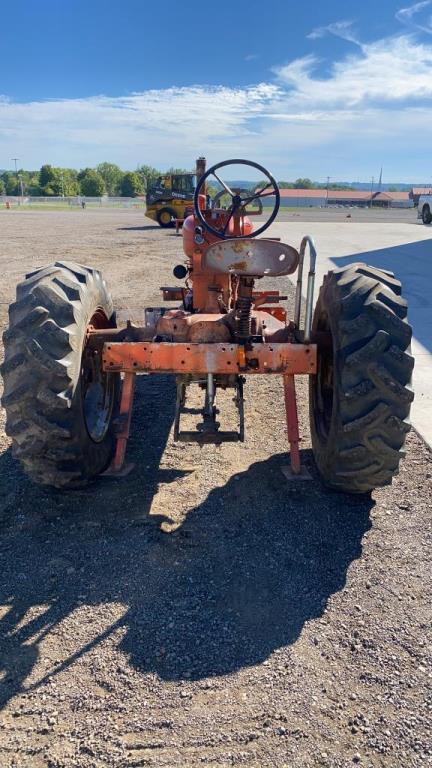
(244, 305)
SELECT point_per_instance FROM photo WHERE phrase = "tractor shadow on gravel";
(243, 574)
(237, 580)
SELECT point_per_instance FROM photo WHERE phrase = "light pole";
(327, 188)
(18, 177)
(372, 184)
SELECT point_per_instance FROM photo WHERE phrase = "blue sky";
(317, 89)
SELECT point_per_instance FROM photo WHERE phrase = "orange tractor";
(69, 372)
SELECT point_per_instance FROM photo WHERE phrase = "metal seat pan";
(251, 257)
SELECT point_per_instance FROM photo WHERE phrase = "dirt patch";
(204, 611)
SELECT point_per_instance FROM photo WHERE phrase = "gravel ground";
(203, 610)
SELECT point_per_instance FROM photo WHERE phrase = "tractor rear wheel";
(361, 396)
(60, 405)
(165, 217)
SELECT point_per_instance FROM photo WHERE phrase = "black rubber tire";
(162, 224)
(360, 417)
(426, 215)
(43, 389)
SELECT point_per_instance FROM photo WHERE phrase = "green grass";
(66, 207)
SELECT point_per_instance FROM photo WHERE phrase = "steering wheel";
(238, 201)
(243, 193)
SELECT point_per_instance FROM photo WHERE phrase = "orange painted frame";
(180, 357)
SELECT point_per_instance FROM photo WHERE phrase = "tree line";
(104, 179)
(309, 184)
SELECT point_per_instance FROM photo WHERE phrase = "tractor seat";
(251, 257)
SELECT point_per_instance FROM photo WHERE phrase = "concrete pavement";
(405, 249)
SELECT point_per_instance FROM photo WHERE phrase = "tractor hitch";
(208, 432)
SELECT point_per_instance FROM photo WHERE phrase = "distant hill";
(360, 185)
(238, 183)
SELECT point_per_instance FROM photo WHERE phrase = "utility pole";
(328, 182)
(372, 185)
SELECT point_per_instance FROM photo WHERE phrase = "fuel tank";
(202, 328)
(215, 219)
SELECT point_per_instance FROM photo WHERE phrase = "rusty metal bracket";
(291, 476)
(292, 422)
(227, 358)
(118, 468)
(295, 470)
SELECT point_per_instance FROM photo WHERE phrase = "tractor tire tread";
(41, 373)
(372, 391)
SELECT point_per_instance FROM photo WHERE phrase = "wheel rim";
(98, 387)
(324, 382)
(165, 217)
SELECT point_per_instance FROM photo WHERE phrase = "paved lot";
(360, 215)
(403, 247)
(203, 611)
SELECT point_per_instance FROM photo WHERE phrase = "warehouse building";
(311, 198)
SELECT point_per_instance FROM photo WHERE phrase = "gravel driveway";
(203, 610)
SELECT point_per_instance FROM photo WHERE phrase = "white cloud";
(341, 29)
(394, 69)
(372, 107)
(412, 16)
(156, 123)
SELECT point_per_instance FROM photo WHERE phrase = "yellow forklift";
(169, 198)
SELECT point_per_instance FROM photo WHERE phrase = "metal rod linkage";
(118, 466)
(307, 240)
(292, 422)
(210, 394)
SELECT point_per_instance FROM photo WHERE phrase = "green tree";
(11, 183)
(48, 179)
(212, 189)
(131, 185)
(55, 181)
(112, 176)
(177, 171)
(256, 186)
(91, 183)
(148, 175)
(303, 184)
(30, 182)
(346, 187)
(334, 186)
(69, 182)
